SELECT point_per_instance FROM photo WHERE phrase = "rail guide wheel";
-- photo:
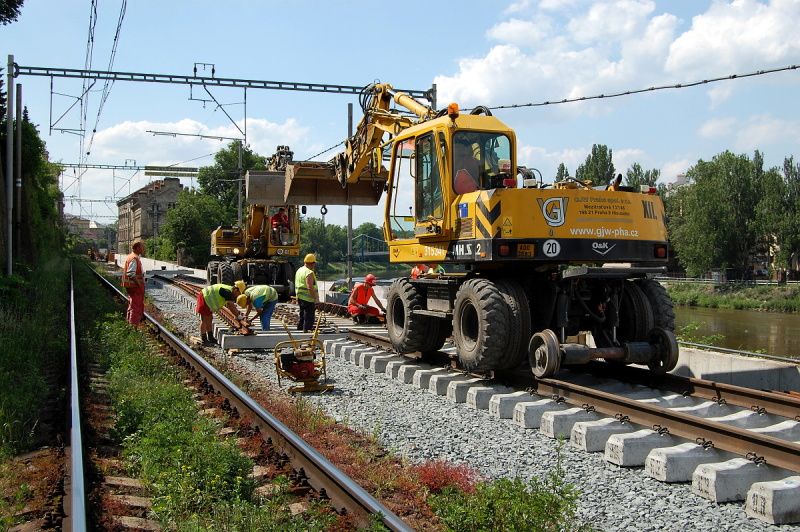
(544, 354)
(665, 350)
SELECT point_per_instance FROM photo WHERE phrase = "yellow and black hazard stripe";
(486, 215)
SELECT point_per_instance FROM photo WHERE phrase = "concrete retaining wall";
(751, 372)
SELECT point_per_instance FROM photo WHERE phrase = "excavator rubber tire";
(481, 325)
(519, 323)
(237, 271)
(407, 332)
(660, 302)
(440, 332)
(211, 272)
(225, 273)
(635, 314)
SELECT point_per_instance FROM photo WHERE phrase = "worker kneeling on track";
(261, 297)
(358, 304)
(211, 299)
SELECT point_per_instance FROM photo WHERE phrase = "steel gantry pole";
(10, 167)
(18, 178)
(349, 210)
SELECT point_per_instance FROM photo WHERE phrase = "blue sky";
(477, 52)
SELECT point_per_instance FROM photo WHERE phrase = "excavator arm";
(356, 175)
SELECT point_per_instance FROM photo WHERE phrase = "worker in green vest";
(305, 286)
(211, 299)
(262, 298)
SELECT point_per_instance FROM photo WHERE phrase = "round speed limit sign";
(551, 248)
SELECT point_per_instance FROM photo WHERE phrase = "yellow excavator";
(553, 274)
(261, 251)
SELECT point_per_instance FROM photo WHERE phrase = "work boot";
(210, 340)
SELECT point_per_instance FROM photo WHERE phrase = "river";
(771, 332)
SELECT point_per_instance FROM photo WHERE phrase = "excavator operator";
(466, 169)
(280, 225)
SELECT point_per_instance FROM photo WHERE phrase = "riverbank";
(771, 298)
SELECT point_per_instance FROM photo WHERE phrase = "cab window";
(480, 160)
(401, 212)
(428, 190)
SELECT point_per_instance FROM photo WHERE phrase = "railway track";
(343, 493)
(730, 442)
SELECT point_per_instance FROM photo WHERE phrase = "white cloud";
(516, 7)
(521, 32)
(671, 169)
(625, 157)
(130, 140)
(611, 20)
(737, 35)
(720, 93)
(762, 130)
(717, 127)
(556, 5)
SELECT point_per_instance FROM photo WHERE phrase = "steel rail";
(781, 453)
(342, 491)
(77, 510)
(762, 401)
(776, 452)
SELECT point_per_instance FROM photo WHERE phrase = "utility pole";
(239, 187)
(349, 210)
(10, 167)
(18, 181)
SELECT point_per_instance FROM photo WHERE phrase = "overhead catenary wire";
(323, 152)
(108, 83)
(729, 77)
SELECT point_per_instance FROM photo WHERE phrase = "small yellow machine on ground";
(302, 362)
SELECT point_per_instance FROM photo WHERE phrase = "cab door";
(429, 207)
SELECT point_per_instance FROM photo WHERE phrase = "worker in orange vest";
(133, 282)
(419, 269)
(358, 304)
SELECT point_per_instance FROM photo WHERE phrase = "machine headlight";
(235, 251)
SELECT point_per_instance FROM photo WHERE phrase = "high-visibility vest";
(300, 287)
(138, 278)
(213, 298)
(362, 293)
(261, 294)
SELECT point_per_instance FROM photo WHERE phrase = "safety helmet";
(242, 300)
(370, 279)
(240, 285)
(310, 258)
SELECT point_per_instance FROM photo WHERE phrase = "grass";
(544, 504)
(198, 480)
(33, 333)
(772, 298)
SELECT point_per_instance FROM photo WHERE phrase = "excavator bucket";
(315, 183)
(265, 187)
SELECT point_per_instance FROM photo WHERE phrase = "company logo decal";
(554, 210)
(602, 248)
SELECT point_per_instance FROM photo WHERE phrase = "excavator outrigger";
(554, 275)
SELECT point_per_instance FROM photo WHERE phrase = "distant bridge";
(366, 247)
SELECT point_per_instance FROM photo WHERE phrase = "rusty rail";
(342, 491)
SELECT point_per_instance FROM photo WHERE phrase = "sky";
(476, 52)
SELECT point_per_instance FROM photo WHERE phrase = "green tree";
(712, 221)
(327, 241)
(562, 172)
(189, 224)
(637, 176)
(598, 167)
(9, 10)
(778, 210)
(220, 179)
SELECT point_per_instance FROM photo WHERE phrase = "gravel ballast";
(421, 426)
